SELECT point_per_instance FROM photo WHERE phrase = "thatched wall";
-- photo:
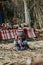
(35, 8)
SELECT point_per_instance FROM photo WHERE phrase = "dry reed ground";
(9, 54)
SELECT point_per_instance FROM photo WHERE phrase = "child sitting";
(16, 42)
(20, 43)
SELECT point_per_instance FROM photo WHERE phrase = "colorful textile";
(12, 34)
(7, 34)
(31, 33)
(2, 35)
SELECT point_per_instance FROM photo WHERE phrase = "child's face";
(20, 38)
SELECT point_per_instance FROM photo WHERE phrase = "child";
(16, 43)
(20, 42)
(24, 42)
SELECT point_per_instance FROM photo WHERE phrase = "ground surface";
(10, 56)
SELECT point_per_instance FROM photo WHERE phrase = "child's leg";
(17, 47)
(25, 43)
(20, 44)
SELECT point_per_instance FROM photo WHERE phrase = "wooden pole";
(27, 14)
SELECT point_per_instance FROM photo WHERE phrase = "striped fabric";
(6, 34)
(28, 33)
(2, 35)
(9, 34)
(14, 32)
(31, 33)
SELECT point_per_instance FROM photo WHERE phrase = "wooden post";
(27, 14)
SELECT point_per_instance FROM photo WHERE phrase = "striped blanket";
(9, 34)
(29, 32)
(6, 34)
